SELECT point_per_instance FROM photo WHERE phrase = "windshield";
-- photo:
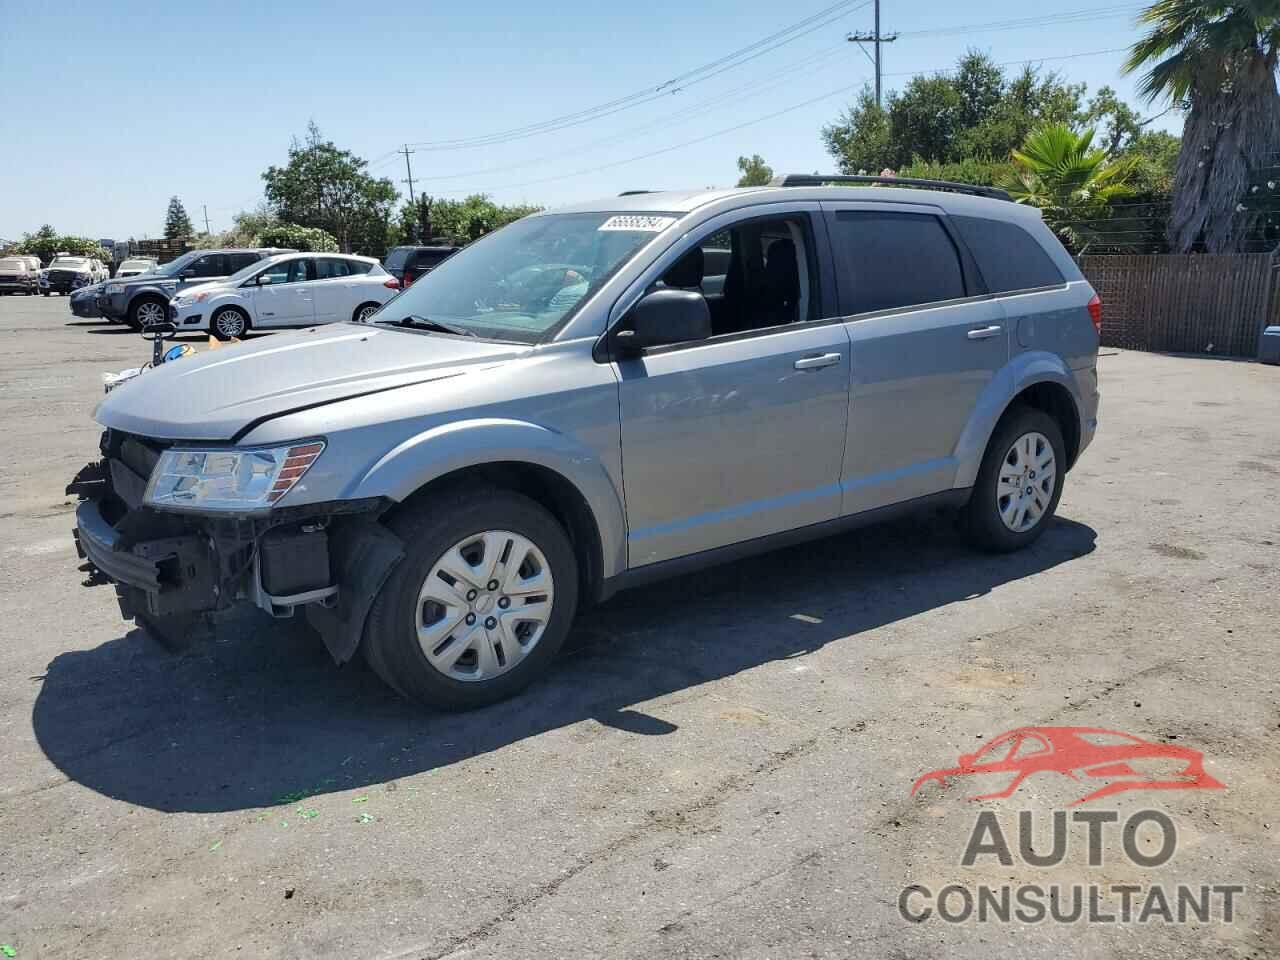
(69, 263)
(12, 264)
(244, 273)
(139, 266)
(521, 282)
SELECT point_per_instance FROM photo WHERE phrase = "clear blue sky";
(114, 107)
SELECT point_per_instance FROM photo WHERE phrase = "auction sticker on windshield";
(632, 222)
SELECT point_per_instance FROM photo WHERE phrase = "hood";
(217, 394)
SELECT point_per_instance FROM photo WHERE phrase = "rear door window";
(238, 261)
(330, 268)
(887, 260)
(1008, 257)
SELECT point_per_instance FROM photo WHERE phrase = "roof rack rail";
(632, 193)
(818, 180)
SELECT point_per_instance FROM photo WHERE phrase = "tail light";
(391, 283)
(1095, 313)
(408, 279)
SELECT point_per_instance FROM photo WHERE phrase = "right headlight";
(246, 480)
(115, 288)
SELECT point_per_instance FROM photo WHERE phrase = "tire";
(445, 531)
(229, 323)
(365, 310)
(1001, 521)
(142, 312)
(44, 293)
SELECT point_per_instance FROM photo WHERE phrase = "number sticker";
(638, 223)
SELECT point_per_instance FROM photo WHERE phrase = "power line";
(1015, 63)
(701, 74)
(813, 60)
(1054, 18)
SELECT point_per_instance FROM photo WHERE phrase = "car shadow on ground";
(259, 714)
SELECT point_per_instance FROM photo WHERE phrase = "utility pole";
(206, 218)
(877, 39)
(409, 172)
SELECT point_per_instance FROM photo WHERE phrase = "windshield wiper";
(426, 323)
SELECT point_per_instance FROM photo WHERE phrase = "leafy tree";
(1217, 60)
(982, 172)
(307, 239)
(46, 243)
(755, 172)
(461, 221)
(325, 187)
(176, 222)
(1073, 183)
(975, 112)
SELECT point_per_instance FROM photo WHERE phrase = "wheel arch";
(1035, 379)
(568, 480)
(361, 305)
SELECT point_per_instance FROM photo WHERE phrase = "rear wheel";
(481, 603)
(1019, 483)
(229, 323)
(147, 311)
(365, 311)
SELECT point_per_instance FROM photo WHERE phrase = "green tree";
(755, 172)
(176, 222)
(46, 243)
(325, 187)
(1217, 60)
(461, 221)
(976, 112)
(292, 236)
(1073, 183)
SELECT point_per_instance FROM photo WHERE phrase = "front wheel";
(481, 603)
(229, 323)
(147, 312)
(1019, 483)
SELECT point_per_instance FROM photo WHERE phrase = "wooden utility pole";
(876, 39)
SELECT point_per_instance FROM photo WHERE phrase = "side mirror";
(663, 317)
(262, 279)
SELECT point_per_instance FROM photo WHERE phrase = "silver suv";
(596, 397)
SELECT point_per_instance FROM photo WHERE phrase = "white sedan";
(290, 290)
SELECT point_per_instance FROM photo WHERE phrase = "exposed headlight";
(115, 288)
(239, 480)
(188, 299)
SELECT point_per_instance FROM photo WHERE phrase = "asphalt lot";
(721, 765)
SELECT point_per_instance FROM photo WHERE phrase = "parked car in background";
(135, 266)
(17, 276)
(292, 290)
(144, 299)
(68, 273)
(443, 485)
(407, 264)
(99, 271)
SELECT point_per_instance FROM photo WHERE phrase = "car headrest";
(687, 271)
(781, 271)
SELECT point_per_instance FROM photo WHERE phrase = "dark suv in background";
(143, 300)
(407, 264)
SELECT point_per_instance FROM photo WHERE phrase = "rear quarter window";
(1008, 257)
(396, 258)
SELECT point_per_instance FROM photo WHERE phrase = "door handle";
(984, 333)
(817, 363)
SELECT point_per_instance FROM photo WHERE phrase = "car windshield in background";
(69, 263)
(13, 264)
(521, 282)
(244, 273)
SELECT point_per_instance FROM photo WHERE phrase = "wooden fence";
(1197, 303)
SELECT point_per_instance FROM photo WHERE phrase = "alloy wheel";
(484, 606)
(149, 313)
(366, 312)
(1024, 487)
(230, 323)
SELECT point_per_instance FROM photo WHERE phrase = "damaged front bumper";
(330, 559)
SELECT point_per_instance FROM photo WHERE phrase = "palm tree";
(1218, 62)
(1073, 184)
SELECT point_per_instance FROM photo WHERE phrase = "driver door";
(742, 435)
(285, 296)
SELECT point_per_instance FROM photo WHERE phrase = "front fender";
(1034, 366)
(450, 447)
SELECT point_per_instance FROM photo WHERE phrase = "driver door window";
(210, 265)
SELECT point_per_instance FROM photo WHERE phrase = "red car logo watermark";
(1084, 754)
